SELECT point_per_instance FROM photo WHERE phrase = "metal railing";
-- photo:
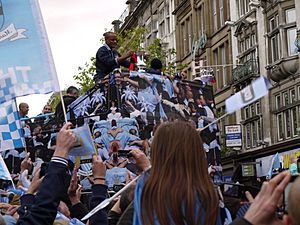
(245, 71)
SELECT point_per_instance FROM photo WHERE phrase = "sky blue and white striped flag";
(256, 90)
(27, 65)
(4, 173)
(11, 133)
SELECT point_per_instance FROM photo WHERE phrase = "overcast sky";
(74, 29)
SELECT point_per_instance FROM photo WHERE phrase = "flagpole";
(215, 121)
(63, 106)
(105, 202)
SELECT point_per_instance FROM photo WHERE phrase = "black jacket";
(45, 203)
(59, 113)
(106, 61)
(99, 194)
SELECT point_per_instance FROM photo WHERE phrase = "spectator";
(177, 158)
(46, 110)
(23, 110)
(108, 59)
(155, 66)
(71, 95)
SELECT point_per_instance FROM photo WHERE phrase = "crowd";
(175, 182)
(174, 188)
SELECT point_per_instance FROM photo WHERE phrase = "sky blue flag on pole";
(275, 164)
(26, 65)
(11, 133)
(256, 90)
(4, 173)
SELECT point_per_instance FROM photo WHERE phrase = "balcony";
(244, 72)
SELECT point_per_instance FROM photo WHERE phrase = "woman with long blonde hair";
(177, 189)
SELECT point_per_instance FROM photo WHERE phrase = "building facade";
(264, 37)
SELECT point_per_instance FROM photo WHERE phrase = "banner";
(256, 90)
(11, 133)
(148, 99)
(26, 65)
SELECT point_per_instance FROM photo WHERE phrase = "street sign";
(248, 170)
(233, 135)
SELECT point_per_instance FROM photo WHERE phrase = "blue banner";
(26, 65)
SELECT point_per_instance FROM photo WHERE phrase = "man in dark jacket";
(108, 59)
(71, 95)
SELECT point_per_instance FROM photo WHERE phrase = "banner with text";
(26, 65)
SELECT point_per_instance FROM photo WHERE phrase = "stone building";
(264, 35)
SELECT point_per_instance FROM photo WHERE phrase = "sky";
(74, 28)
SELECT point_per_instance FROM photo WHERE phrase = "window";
(293, 95)
(253, 39)
(257, 108)
(168, 25)
(285, 96)
(247, 43)
(275, 48)
(248, 136)
(215, 18)
(291, 38)
(223, 62)
(280, 127)
(294, 120)
(273, 23)
(278, 101)
(162, 29)
(290, 15)
(287, 124)
(221, 12)
(243, 7)
(287, 119)
(252, 125)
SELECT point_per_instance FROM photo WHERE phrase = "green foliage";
(131, 39)
(84, 78)
(54, 100)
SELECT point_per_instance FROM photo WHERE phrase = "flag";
(27, 65)
(11, 133)
(275, 164)
(248, 95)
(4, 173)
(85, 144)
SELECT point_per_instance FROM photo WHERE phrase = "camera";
(118, 187)
(124, 153)
(238, 190)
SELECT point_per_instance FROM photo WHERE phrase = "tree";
(84, 78)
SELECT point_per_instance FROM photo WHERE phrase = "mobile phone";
(118, 187)
(232, 190)
(83, 161)
(44, 168)
(124, 153)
